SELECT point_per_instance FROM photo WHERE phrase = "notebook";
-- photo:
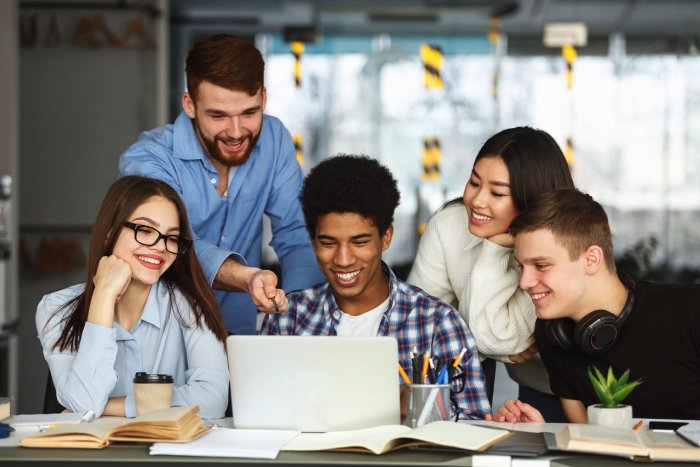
(313, 383)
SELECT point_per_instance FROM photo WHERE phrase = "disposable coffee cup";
(152, 392)
(428, 403)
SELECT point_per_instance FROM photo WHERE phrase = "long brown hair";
(185, 274)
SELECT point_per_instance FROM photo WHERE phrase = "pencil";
(424, 372)
(639, 425)
(458, 360)
(403, 374)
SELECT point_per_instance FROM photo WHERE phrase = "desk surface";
(137, 455)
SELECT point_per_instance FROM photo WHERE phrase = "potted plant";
(611, 391)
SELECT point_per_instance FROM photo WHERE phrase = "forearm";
(115, 407)
(574, 410)
(234, 276)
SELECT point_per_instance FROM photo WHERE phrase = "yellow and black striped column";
(431, 158)
(432, 58)
(569, 53)
(298, 142)
(494, 36)
(297, 49)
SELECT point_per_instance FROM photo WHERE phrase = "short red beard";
(213, 151)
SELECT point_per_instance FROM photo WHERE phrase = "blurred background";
(417, 84)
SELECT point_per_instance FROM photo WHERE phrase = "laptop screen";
(313, 383)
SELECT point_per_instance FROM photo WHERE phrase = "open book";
(174, 425)
(381, 439)
(643, 445)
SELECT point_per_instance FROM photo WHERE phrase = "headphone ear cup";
(596, 332)
(559, 333)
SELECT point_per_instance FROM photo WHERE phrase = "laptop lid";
(313, 383)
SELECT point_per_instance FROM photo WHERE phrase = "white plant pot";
(620, 416)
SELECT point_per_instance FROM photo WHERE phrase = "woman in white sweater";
(465, 256)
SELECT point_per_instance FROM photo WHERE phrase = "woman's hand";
(505, 240)
(113, 277)
(111, 281)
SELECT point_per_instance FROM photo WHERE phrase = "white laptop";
(313, 383)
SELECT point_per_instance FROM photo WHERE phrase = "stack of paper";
(227, 442)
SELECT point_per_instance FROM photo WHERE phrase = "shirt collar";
(186, 144)
(151, 312)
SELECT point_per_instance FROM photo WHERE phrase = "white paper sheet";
(228, 442)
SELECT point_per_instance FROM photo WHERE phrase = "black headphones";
(595, 333)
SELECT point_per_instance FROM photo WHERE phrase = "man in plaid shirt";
(348, 203)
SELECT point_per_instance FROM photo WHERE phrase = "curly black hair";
(350, 183)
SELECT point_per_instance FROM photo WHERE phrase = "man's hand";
(262, 287)
(514, 411)
(261, 284)
(525, 355)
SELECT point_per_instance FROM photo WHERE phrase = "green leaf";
(623, 379)
(620, 395)
(611, 378)
(602, 393)
(599, 376)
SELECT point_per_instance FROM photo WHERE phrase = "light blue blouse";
(108, 358)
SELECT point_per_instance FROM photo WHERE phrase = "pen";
(403, 374)
(277, 307)
(639, 425)
(48, 426)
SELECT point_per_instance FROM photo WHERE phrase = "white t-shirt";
(366, 324)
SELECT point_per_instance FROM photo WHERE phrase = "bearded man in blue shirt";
(348, 203)
(231, 165)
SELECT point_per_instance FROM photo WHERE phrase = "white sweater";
(480, 279)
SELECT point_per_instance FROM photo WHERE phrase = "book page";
(83, 435)
(374, 439)
(458, 435)
(179, 424)
(602, 440)
(605, 434)
(670, 446)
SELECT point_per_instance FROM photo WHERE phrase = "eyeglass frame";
(183, 243)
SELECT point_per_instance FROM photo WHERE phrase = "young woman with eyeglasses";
(145, 306)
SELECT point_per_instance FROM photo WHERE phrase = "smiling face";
(148, 263)
(487, 198)
(349, 251)
(227, 122)
(556, 283)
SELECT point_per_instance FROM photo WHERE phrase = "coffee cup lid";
(142, 377)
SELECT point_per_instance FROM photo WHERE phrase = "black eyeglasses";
(148, 236)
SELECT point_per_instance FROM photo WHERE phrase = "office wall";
(83, 100)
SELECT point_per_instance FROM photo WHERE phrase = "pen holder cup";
(428, 403)
(152, 392)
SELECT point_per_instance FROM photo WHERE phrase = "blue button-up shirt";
(108, 358)
(232, 225)
(414, 318)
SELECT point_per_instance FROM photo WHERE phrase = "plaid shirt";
(414, 318)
